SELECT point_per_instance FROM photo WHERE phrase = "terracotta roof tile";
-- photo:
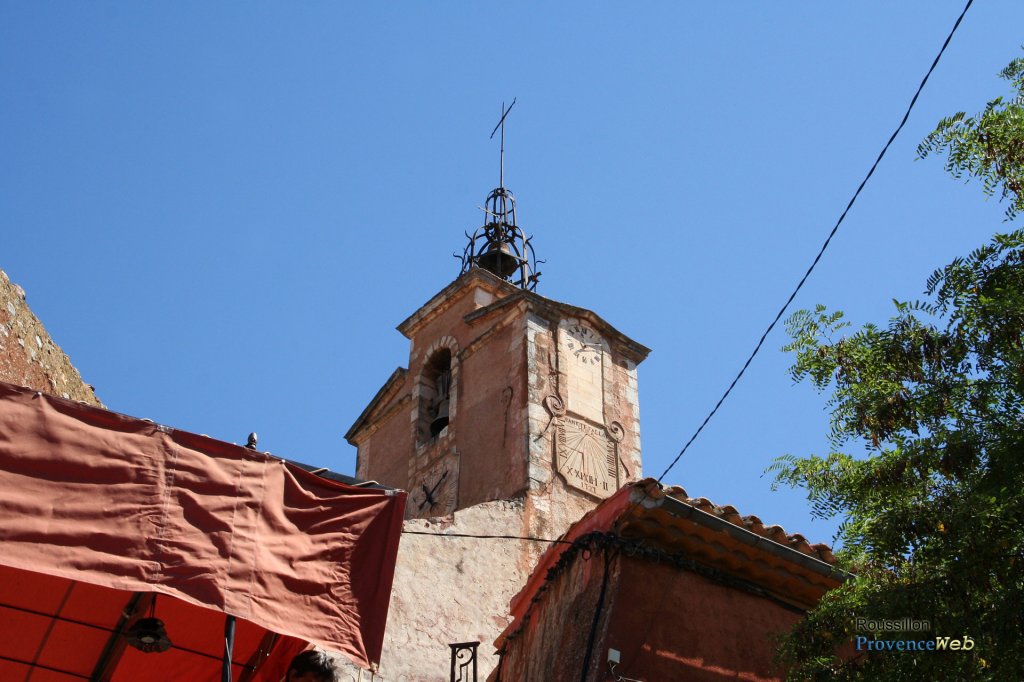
(643, 512)
(824, 552)
(754, 524)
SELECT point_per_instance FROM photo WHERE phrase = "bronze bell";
(499, 259)
(440, 420)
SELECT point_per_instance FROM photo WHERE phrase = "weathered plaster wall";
(29, 357)
(450, 589)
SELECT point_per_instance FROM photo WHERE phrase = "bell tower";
(507, 395)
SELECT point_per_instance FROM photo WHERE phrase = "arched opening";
(435, 393)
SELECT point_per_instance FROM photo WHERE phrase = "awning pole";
(229, 645)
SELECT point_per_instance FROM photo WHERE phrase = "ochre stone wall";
(490, 428)
(390, 438)
(667, 624)
(29, 357)
(487, 428)
(671, 624)
(551, 646)
(500, 444)
(507, 371)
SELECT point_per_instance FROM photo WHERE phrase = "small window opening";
(436, 392)
(439, 413)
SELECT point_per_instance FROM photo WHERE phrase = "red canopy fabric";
(108, 501)
(57, 630)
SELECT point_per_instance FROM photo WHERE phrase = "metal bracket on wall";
(463, 661)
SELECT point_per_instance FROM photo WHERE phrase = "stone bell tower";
(514, 416)
(507, 394)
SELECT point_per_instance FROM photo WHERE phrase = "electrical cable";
(489, 537)
(824, 246)
(795, 291)
(778, 315)
(782, 310)
(618, 677)
(609, 556)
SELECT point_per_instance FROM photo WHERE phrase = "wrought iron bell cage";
(500, 246)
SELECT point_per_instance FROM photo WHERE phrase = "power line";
(781, 311)
(489, 537)
(824, 246)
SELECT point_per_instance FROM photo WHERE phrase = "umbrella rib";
(54, 617)
(115, 645)
(31, 665)
(49, 629)
(64, 619)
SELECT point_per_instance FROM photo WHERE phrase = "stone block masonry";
(29, 357)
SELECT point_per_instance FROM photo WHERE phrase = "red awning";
(100, 512)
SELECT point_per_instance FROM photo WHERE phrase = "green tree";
(927, 432)
(988, 146)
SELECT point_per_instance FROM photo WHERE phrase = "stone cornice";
(553, 310)
(386, 392)
(447, 297)
(508, 295)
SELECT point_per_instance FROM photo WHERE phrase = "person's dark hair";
(316, 662)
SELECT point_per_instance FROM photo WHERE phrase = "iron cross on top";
(501, 124)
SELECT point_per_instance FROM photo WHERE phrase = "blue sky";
(222, 210)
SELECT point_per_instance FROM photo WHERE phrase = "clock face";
(584, 344)
(434, 492)
(586, 457)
